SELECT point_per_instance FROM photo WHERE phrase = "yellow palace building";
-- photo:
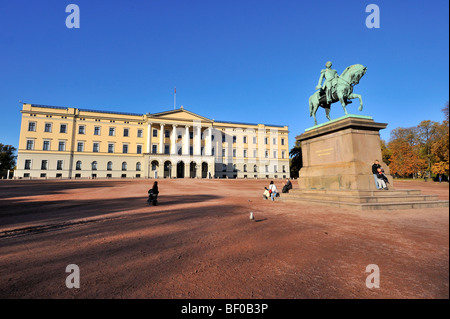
(66, 142)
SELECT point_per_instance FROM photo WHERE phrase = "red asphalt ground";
(199, 243)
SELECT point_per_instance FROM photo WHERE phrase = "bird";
(251, 216)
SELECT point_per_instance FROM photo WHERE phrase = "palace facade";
(66, 142)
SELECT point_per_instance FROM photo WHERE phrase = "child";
(266, 193)
(382, 179)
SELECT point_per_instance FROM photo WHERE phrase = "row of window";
(125, 149)
(255, 168)
(126, 133)
(78, 165)
(81, 129)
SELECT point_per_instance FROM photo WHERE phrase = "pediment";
(179, 115)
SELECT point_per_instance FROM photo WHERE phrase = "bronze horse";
(341, 90)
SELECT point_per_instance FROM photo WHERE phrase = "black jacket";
(375, 167)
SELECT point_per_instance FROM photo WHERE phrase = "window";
(80, 147)
(234, 152)
(245, 153)
(46, 146)
(59, 165)
(81, 129)
(254, 140)
(30, 144)
(43, 175)
(139, 149)
(191, 135)
(48, 127)
(110, 148)
(63, 128)
(282, 141)
(224, 167)
(109, 166)
(191, 150)
(27, 164)
(139, 133)
(125, 148)
(94, 165)
(124, 166)
(267, 168)
(213, 151)
(126, 132)
(224, 152)
(234, 168)
(275, 169)
(154, 149)
(179, 151)
(138, 166)
(78, 166)
(283, 154)
(284, 168)
(266, 154)
(32, 126)
(44, 164)
(223, 138)
(97, 130)
(245, 167)
(212, 137)
(61, 146)
(166, 149)
(255, 169)
(234, 139)
(166, 133)
(266, 140)
(155, 133)
(245, 139)
(274, 154)
(274, 141)
(112, 131)
(95, 147)
(255, 153)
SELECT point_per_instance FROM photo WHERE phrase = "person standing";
(376, 165)
(273, 190)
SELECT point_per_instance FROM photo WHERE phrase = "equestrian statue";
(336, 88)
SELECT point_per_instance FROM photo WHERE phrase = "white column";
(173, 140)
(198, 141)
(186, 141)
(149, 134)
(161, 139)
(208, 143)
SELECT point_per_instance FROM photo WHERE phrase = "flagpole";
(174, 98)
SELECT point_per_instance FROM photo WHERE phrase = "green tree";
(295, 161)
(7, 157)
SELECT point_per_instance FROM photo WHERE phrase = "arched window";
(124, 166)
(245, 167)
(78, 166)
(94, 165)
(255, 168)
(138, 166)
(109, 166)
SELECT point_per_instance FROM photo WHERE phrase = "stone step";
(371, 206)
(398, 192)
(382, 198)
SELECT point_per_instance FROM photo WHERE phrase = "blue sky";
(246, 61)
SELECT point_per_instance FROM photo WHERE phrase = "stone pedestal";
(338, 155)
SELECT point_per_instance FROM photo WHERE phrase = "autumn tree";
(440, 146)
(405, 159)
